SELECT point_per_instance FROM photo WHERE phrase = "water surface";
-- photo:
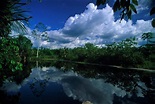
(74, 85)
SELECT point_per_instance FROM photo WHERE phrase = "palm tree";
(11, 17)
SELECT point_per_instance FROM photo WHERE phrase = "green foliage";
(13, 53)
(133, 8)
(12, 50)
(25, 46)
(135, 2)
(126, 7)
(9, 54)
(123, 53)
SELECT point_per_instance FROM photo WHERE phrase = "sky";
(73, 23)
(54, 13)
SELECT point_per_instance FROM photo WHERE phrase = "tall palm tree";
(11, 16)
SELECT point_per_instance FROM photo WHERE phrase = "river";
(80, 83)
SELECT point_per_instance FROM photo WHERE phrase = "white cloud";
(97, 26)
(89, 23)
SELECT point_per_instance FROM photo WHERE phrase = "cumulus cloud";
(97, 26)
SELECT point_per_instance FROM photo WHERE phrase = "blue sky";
(73, 23)
(55, 13)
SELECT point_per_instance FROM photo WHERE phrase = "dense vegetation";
(16, 51)
(124, 53)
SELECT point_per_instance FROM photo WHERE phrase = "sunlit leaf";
(13, 62)
(135, 2)
(153, 23)
(133, 8)
(152, 11)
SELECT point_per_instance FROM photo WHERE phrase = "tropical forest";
(116, 72)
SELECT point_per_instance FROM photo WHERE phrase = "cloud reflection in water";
(74, 85)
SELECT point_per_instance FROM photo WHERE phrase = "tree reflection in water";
(11, 81)
(132, 81)
(137, 87)
(9, 99)
(38, 86)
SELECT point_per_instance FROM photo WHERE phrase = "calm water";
(74, 85)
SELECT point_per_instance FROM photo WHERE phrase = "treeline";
(17, 53)
(124, 53)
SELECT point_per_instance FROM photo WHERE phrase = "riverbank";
(43, 59)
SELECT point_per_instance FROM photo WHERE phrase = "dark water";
(74, 85)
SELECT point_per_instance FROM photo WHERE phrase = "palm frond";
(12, 17)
